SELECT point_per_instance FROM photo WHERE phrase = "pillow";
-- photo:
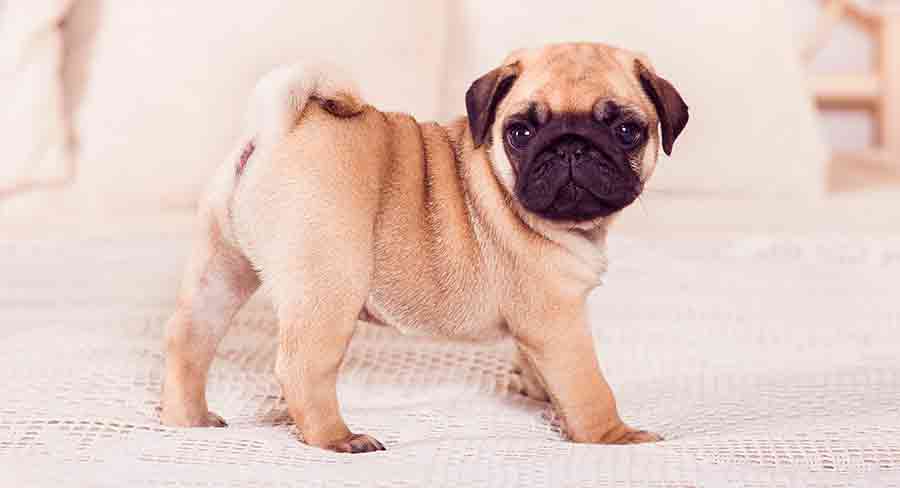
(162, 86)
(32, 121)
(753, 129)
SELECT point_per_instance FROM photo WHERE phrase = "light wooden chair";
(877, 92)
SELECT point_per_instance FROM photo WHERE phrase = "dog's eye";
(629, 134)
(519, 135)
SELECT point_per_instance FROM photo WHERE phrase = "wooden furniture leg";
(889, 61)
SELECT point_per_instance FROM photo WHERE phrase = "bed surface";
(763, 361)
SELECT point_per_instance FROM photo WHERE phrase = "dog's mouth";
(576, 203)
(572, 179)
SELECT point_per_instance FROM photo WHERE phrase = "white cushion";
(165, 83)
(32, 121)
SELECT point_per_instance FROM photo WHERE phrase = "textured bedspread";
(763, 361)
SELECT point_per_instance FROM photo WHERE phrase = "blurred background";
(115, 112)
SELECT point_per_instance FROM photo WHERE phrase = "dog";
(491, 226)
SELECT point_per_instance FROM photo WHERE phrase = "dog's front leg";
(563, 355)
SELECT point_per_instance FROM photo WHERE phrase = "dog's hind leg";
(217, 282)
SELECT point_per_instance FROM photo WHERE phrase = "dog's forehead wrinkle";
(582, 53)
(611, 109)
(566, 93)
(605, 110)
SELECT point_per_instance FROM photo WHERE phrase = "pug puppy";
(491, 226)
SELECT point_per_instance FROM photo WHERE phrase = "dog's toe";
(179, 418)
(357, 443)
(639, 437)
(525, 384)
(215, 420)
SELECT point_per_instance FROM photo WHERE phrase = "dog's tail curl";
(278, 101)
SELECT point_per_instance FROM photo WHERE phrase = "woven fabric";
(763, 361)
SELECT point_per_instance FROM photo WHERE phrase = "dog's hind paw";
(356, 443)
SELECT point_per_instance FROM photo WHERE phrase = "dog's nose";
(571, 148)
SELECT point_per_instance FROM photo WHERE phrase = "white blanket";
(764, 362)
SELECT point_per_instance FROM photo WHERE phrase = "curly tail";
(278, 101)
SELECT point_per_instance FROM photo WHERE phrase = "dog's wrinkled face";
(576, 166)
(571, 129)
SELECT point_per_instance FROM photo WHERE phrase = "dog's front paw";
(356, 443)
(615, 433)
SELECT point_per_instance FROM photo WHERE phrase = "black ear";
(483, 97)
(672, 111)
